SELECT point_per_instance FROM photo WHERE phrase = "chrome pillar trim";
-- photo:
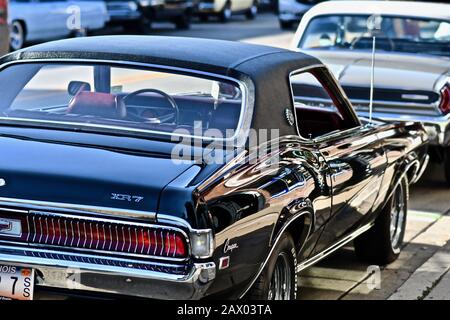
(77, 208)
(78, 275)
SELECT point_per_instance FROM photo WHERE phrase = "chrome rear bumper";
(124, 277)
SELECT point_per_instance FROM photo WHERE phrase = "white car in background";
(41, 20)
(224, 9)
(290, 12)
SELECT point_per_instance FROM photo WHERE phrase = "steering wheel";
(169, 98)
(359, 38)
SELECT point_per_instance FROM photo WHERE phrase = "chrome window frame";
(242, 128)
(330, 135)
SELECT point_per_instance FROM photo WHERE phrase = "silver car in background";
(412, 64)
(42, 20)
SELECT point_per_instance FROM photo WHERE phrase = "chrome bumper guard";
(126, 277)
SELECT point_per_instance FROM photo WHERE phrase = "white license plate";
(16, 283)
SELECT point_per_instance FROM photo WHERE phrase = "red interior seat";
(97, 104)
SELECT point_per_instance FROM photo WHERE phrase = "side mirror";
(76, 86)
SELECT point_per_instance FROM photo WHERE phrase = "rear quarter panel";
(401, 141)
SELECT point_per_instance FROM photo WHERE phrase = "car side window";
(319, 110)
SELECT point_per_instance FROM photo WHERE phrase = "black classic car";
(134, 166)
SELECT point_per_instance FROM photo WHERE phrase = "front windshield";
(396, 34)
(121, 98)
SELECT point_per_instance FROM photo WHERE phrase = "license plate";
(16, 283)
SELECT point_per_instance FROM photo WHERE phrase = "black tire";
(283, 254)
(203, 17)
(252, 12)
(225, 14)
(183, 22)
(18, 32)
(378, 245)
(141, 26)
(286, 25)
(447, 165)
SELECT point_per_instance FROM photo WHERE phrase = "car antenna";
(373, 24)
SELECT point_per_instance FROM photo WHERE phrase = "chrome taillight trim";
(33, 214)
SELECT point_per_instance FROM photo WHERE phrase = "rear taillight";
(3, 12)
(445, 99)
(67, 232)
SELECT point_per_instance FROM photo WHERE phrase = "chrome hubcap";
(227, 13)
(254, 10)
(280, 284)
(398, 215)
(16, 36)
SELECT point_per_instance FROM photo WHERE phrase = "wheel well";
(299, 230)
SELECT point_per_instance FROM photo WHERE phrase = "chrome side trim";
(309, 262)
(77, 208)
(280, 233)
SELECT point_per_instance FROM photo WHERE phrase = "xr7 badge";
(126, 197)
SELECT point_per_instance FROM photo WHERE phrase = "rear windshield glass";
(396, 34)
(120, 98)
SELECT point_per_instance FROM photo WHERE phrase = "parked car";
(100, 182)
(412, 64)
(4, 29)
(42, 20)
(290, 12)
(224, 9)
(137, 15)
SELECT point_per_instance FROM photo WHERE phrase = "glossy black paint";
(321, 191)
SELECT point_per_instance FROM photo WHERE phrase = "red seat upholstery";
(97, 104)
(317, 121)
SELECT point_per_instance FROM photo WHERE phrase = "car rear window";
(119, 97)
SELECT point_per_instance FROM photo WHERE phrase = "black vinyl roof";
(265, 69)
(207, 55)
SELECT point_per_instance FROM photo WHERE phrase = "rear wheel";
(226, 13)
(252, 12)
(203, 17)
(183, 22)
(286, 25)
(382, 243)
(17, 35)
(278, 280)
(447, 165)
(141, 26)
